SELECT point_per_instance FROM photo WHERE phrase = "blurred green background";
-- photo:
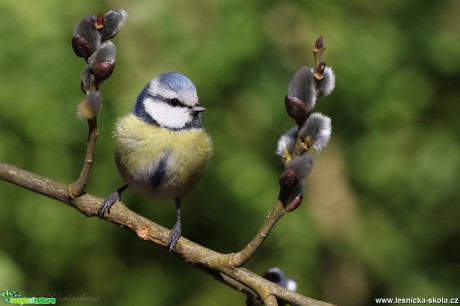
(381, 213)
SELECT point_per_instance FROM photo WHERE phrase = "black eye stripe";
(174, 102)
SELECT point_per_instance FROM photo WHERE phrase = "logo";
(13, 297)
(7, 295)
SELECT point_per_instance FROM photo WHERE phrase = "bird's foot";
(174, 236)
(108, 203)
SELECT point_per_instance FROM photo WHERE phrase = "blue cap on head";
(176, 82)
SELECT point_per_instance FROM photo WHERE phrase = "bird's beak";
(198, 108)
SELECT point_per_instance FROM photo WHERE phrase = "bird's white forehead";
(183, 91)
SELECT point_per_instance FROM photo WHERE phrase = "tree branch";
(240, 258)
(271, 301)
(78, 187)
(214, 263)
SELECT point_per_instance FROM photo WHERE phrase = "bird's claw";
(174, 236)
(108, 203)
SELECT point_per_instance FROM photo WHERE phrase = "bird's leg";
(176, 231)
(110, 200)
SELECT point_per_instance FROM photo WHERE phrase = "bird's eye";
(174, 102)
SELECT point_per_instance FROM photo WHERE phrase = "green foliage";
(394, 115)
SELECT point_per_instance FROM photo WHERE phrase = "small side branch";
(77, 188)
(240, 258)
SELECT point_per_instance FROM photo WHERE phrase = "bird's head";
(169, 100)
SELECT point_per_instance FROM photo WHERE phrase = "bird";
(276, 275)
(162, 148)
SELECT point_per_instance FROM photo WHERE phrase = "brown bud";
(294, 204)
(319, 42)
(99, 24)
(103, 71)
(291, 198)
(295, 108)
(82, 47)
(288, 179)
(319, 72)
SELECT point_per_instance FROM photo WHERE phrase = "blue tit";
(276, 275)
(161, 147)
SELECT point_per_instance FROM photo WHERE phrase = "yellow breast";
(140, 146)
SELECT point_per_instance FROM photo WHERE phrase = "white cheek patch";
(167, 115)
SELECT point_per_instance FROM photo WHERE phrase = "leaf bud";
(316, 131)
(86, 38)
(87, 80)
(302, 87)
(301, 166)
(327, 84)
(90, 106)
(82, 47)
(99, 22)
(103, 71)
(292, 181)
(113, 21)
(102, 62)
(286, 143)
(296, 109)
(319, 71)
(319, 44)
(288, 179)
